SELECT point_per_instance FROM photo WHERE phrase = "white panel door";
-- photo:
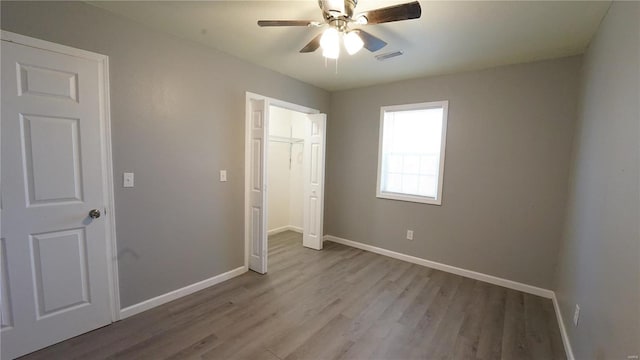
(54, 266)
(258, 123)
(314, 182)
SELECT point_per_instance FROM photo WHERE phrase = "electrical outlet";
(409, 234)
(576, 315)
(223, 175)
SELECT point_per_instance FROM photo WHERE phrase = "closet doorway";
(288, 133)
(284, 175)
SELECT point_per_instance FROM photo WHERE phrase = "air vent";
(389, 55)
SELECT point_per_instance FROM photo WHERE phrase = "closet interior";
(285, 164)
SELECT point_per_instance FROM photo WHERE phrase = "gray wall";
(599, 265)
(177, 112)
(505, 175)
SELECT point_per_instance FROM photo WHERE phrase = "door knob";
(94, 214)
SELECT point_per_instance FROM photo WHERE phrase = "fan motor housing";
(333, 9)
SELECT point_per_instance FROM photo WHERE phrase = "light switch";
(127, 179)
(223, 175)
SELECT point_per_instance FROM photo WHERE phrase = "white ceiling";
(451, 36)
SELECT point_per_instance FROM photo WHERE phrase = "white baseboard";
(187, 290)
(563, 329)
(530, 289)
(283, 229)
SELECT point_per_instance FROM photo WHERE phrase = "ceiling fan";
(339, 16)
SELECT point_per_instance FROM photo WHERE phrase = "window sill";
(409, 198)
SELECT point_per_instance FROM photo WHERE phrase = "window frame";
(444, 105)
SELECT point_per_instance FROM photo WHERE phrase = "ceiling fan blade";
(285, 22)
(313, 45)
(371, 42)
(401, 12)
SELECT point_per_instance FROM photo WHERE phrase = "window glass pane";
(429, 164)
(394, 163)
(410, 184)
(411, 143)
(427, 186)
(411, 164)
(394, 183)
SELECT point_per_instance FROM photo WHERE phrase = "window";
(411, 152)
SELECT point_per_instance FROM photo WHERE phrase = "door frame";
(107, 160)
(247, 158)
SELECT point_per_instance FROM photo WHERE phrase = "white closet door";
(258, 123)
(314, 182)
(54, 264)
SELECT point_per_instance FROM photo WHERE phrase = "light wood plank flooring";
(338, 303)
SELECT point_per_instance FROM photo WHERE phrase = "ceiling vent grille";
(389, 55)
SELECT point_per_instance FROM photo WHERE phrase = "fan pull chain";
(326, 64)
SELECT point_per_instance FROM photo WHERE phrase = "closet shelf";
(284, 139)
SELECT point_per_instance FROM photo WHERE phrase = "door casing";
(107, 163)
(247, 162)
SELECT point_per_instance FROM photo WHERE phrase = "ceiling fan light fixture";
(330, 43)
(352, 42)
(332, 53)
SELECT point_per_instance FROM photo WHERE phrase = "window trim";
(444, 105)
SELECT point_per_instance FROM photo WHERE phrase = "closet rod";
(280, 141)
(283, 139)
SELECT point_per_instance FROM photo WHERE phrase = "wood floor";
(338, 303)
